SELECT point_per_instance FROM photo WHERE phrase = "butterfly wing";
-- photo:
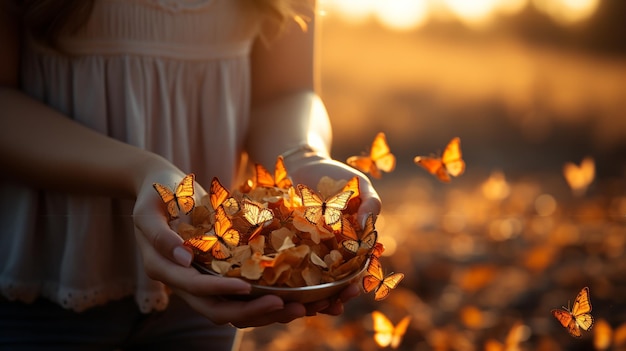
(263, 176)
(364, 164)
(563, 316)
(399, 331)
(313, 204)
(203, 243)
(256, 215)
(388, 283)
(367, 241)
(381, 155)
(434, 166)
(227, 236)
(217, 193)
(383, 329)
(281, 177)
(180, 200)
(581, 309)
(184, 194)
(166, 193)
(374, 277)
(452, 158)
(334, 205)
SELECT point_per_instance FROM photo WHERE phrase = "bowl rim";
(270, 288)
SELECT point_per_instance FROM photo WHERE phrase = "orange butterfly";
(280, 178)
(256, 215)
(376, 281)
(385, 334)
(367, 240)
(379, 159)
(449, 164)
(225, 237)
(330, 209)
(220, 196)
(180, 200)
(578, 317)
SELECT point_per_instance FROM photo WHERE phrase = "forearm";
(285, 124)
(44, 149)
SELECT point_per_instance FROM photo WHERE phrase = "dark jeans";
(118, 325)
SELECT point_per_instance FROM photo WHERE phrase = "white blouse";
(169, 76)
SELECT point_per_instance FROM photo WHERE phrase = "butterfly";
(578, 317)
(256, 215)
(579, 177)
(280, 178)
(367, 240)
(379, 159)
(385, 333)
(179, 201)
(377, 282)
(224, 239)
(449, 164)
(329, 209)
(220, 196)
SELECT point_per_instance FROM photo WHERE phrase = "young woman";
(99, 99)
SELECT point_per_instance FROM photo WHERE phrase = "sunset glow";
(411, 14)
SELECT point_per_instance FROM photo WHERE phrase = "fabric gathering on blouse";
(169, 76)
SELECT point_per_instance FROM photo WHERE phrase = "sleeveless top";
(169, 76)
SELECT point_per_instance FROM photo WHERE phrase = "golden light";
(579, 177)
(567, 11)
(475, 12)
(545, 205)
(510, 7)
(355, 11)
(402, 14)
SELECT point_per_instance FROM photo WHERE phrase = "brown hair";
(45, 20)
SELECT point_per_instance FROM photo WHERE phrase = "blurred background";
(528, 86)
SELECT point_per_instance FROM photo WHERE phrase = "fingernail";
(182, 256)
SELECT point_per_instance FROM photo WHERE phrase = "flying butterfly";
(256, 215)
(376, 281)
(578, 317)
(379, 159)
(224, 239)
(280, 179)
(329, 209)
(178, 201)
(449, 164)
(385, 333)
(366, 242)
(220, 196)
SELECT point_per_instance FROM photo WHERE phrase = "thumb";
(152, 224)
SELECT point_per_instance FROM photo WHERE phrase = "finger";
(369, 206)
(151, 221)
(242, 314)
(186, 278)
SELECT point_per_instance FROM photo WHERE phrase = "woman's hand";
(310, 169)
(167, 260)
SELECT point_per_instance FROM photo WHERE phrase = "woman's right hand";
(166, 259)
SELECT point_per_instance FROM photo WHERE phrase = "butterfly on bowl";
(179, 200)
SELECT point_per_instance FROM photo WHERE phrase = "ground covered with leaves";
(486, 258)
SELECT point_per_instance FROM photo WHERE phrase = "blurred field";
(482, 253)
